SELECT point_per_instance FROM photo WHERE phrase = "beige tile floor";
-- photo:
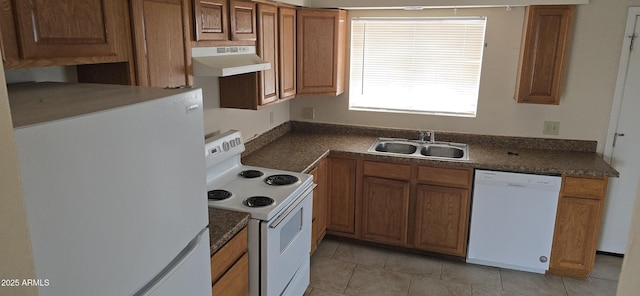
(342, 268)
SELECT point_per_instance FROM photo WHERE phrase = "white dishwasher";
(512, 220)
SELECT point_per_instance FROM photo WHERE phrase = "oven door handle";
(292, 207)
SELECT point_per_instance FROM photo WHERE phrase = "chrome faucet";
(430, 134)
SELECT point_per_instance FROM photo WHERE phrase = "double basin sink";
(420, 149)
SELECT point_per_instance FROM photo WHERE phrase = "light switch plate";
(551, 128)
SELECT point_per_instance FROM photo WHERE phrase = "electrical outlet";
(308, 113)
(271, 120)
(551, 128)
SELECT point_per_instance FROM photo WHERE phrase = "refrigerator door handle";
(166, 272)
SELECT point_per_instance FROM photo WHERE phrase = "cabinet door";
(235, 281)
(287, 50)
(319, 219)
(72, 28)
(268, 51)
(321, 51)
(211, 19)
(385, 210)
(342, 195)
(575, 236)
(441, 219)
(544, 54)
(243, 20)
(163, 53)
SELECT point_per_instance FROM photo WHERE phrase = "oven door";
(285, 248)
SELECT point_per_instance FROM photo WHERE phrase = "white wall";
(584, 107)
(59, 74)
(250, 122)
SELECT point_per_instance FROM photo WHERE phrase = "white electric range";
(280, 205)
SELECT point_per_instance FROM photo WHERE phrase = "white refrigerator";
(114, 188)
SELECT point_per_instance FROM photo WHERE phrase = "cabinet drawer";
(584, 187)
(228, 254)
(387, 170)
(235, 282)
(456, 177)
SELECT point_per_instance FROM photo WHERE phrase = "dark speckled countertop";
(298, 147)
(223, 225)
(301, 151)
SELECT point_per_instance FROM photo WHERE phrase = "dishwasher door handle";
(515, 185)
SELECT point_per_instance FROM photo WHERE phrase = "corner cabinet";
(543, 56)
(162, 45)
(319, 216)
(321, 51)
(47, 33)
(577, 228)
(341, 204)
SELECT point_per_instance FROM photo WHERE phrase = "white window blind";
(418, 65)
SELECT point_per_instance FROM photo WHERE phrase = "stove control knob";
(225, 146)
(238, 141)
(233, 143)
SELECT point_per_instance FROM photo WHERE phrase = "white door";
(623, 142)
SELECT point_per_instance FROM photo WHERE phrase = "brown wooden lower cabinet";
(342, 196)
(230, 267)
(235, 281)
(577, 228)
(441, 219)
(385, 210)
(428, 208)
(406, 205)
(319, 215)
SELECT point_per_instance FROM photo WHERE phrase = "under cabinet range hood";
(226, 61)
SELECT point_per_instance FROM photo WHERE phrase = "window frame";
(355, 100)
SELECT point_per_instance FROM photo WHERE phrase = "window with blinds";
(417, 65)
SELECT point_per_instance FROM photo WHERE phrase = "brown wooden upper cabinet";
(225, 22)
(211, 19)
(46, 33)
(543, 55)
(276, 45)
(321, 51)
(287, 51)
(162, 45)
(243, 20)
(268, 51)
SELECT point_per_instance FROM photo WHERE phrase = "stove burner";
(258, 201)
(218, 194)
(250, 174)
(277, 180)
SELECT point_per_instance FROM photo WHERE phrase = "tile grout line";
(501, 281)
(350, 278)
(566, 292)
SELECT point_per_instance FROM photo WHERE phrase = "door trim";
(616, 107)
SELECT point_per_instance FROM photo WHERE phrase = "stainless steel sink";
(420, 149)
(396, 147)
(446, 151)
